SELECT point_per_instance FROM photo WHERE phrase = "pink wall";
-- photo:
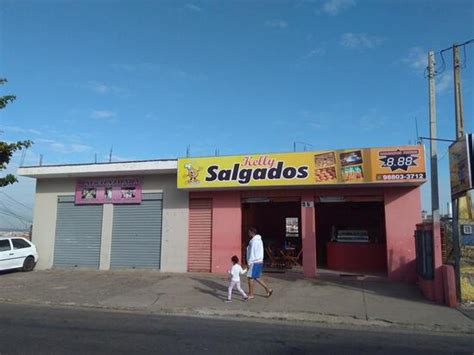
(226, 229)
(402, 214)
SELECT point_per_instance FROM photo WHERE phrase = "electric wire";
(443, 61)
(6, 209)
(16, 201)
(25, 224)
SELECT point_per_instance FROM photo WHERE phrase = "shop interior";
(279, 223)
(355, 231)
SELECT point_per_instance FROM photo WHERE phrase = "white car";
(17, 253)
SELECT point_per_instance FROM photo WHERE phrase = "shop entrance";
(350, 236)
(279, 223)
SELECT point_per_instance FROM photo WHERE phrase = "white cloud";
(276, 23)
(371, 121)
(101, 88)
(124, 67)
(360, 41)
(103, 114)
(34, 131)
(315, 120)
(315, 52)
(118, 158)
(193, 7)
(16, 129)
(69, 148)
(444, 82)
(417, 58)
(334, 7)
(43, 140)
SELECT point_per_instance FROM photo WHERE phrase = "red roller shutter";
(200, 235)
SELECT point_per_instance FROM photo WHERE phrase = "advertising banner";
(403, 164)
(116, 190)
(460, 165)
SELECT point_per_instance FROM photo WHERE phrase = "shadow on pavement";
(213, 288)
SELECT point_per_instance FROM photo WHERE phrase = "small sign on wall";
(307, 204)
(116, 190)
(467, 229)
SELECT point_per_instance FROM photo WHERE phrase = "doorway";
(279, 224)
(350, 236)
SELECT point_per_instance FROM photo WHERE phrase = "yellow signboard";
(460, 165)
(401, 164)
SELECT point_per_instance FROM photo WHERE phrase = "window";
(20, 244)
(4, 245)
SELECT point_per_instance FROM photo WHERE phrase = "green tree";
(8, 148)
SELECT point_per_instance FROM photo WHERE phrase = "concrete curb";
(307, 317)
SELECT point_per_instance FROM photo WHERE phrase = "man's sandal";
(269, 293)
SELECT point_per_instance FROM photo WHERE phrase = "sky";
(150, 78)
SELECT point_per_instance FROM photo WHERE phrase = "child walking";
(235, 273)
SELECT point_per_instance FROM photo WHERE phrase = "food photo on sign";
(351, 158)
(352, 173)
(325, 167)
(352, 166)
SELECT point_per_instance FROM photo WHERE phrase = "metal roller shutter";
(200, 235)
(136, 234)
(78, 234)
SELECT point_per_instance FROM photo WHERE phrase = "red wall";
(402, 214)
(308, 234)
(226, 229)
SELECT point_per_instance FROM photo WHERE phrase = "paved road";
(46, 330)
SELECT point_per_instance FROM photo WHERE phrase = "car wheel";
(29, 264)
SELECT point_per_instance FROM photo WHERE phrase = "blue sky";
(151, 77)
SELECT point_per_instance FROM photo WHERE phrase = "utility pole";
(459, 134)
(458, 92)
(437, 254)
(433, 142)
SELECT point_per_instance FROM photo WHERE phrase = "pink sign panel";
(114, 190)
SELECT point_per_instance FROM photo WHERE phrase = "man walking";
(255, 263)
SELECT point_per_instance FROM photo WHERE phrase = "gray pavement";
(328, 300)
(37, 330)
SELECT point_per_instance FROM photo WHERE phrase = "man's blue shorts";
(255, 271)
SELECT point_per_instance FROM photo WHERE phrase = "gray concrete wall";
(174, 246)
(175, 221)
(44, 216)
(106, 240)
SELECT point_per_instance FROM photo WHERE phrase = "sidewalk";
(329, 300)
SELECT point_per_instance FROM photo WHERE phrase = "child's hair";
(235, 259)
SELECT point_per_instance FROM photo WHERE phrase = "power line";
(14, 214)
(10, 222)
(19, 220)
(16, 201)
(443, 61)
(444, 155)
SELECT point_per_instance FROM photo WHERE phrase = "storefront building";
(347, 210)
(110, 216)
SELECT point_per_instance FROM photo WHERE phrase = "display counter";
(357, 256)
